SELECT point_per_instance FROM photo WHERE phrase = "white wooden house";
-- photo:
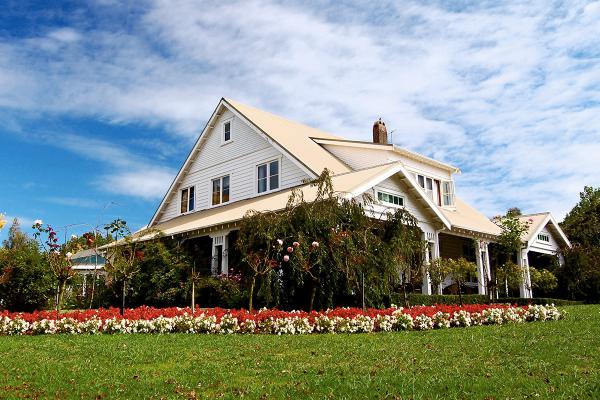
(248, 159)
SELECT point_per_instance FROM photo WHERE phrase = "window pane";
(227, 131)
(225, 189)
(262, 171)
(184, 200)
(380, 195)
(421, 181)
(274, 168)
(429, 184)
(192, 199)
(262, 185)
(216, 195)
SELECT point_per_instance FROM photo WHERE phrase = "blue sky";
(101, 101)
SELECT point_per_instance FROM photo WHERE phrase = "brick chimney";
(379, 132)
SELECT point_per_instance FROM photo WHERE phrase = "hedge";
(415, 299)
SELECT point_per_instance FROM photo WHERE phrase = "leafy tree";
(124, 256)
(542, 280)
(579, 277)
(58, 257)
(25, 278)
(510, 274)
(438, 270)
(510, 242)
(460, 271)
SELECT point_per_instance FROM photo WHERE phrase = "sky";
(101, 101)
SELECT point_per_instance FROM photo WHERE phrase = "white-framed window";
(226, 136)
(188, 199)
(448, 193)
(543, 237)
(390, 199)
(220, 190)
(427, 184)
(267, 176)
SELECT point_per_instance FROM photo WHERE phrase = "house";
(248, 159)
(87, 262)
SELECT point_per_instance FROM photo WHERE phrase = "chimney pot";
(379, 132)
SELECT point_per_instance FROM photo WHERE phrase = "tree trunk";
(124, 295)
(61, 294)
(313, 293)
(93, 289)
(405, 295)
(251, 293)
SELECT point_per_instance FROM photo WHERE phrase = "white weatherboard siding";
(544, 247)
(394, 185)
(359, 158)
(237, 159)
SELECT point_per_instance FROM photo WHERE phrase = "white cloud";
(509, 92)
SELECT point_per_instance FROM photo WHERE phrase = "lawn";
(559, 359)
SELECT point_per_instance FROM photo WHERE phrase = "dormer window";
(448, 193)
(226, 132)
(188, 197)
(544, 238)
(427, 184)
(268, 176)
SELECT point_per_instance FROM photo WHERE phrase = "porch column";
(436, 254)
(488, 269)
(426, 287)
(480, 268)
(525, 287)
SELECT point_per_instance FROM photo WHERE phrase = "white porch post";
(480, 268)
(426, 287)
(488, 268)
(525, 287)
(225, 261)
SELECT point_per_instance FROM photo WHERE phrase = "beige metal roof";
(537, 222)
(466, 217)
(231, 213)
(294, 137)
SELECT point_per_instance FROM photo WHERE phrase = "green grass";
(534, 360)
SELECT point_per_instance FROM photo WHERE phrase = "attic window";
(390, 199)
(226, 131)
(427, 184)
(544, 238)
(188, 199)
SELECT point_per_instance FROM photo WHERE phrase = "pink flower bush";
(264, 321)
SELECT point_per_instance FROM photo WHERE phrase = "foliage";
(220, 291)
(542, 280)
(510, 275)
(57, 256)
(460, 270)
(2, 221)
(510, 239)
(328, 252)
(579, 277)
(123, 257)
(25, 278)
(438, 270)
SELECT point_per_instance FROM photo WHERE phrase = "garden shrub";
(219, 291)
(429, 300)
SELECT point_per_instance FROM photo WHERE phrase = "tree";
(123, 257)
(460, 270)
(438, 270)
(542, 280)
(510, 274)
(510, 242)
(579, 276)
(25, 278)
(58, 258)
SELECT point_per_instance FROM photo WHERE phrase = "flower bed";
(221, 321)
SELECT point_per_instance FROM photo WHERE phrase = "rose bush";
(221, 321)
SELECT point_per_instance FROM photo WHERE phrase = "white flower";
(315, 244)
(73, 236)
(280, 242)
(69, 254)
(38, 222)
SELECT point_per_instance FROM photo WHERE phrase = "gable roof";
(291, 138)
(294, 137)
(389, 147)
(538, 222)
